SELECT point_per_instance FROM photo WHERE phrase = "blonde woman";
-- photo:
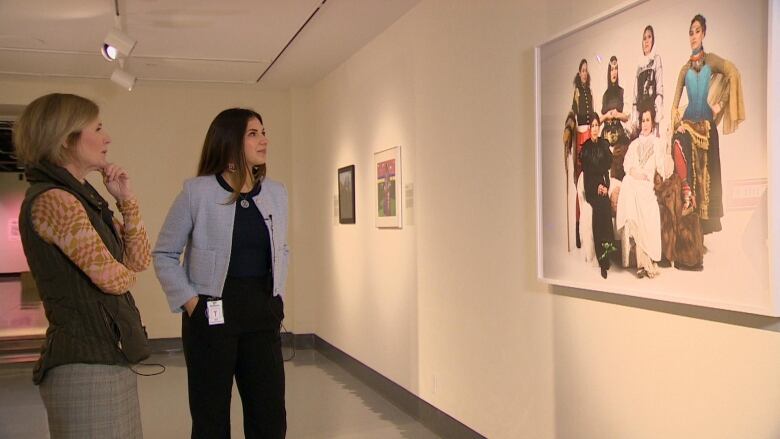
(84, 261)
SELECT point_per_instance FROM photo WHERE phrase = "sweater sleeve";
(60, 219)
(138, 252)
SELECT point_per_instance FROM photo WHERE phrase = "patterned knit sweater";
(60, 219)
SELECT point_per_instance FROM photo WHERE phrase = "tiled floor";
(323, 401)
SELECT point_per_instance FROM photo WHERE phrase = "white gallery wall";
(157, 134)
(449, 306)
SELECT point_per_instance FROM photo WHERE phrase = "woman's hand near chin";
(117, 182)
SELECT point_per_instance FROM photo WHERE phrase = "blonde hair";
(49, 123)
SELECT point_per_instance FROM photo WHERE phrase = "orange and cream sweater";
(60, 219)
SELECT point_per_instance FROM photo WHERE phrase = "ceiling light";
(116, 43)
(123, 79)
(109, 52)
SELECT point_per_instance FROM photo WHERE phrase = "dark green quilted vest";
(85, 324)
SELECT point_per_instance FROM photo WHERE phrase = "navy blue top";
(251, 252)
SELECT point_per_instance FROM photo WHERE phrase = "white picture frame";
(388, 184)
(738, 271)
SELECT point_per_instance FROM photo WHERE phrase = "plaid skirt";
(92, 401)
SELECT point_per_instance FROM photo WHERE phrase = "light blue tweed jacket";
(201, 220)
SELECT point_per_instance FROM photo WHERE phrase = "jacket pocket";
(199, 310)
(202, 264)
(124, 325)
(111, 326)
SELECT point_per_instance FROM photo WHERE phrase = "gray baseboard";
(434, 419)
(300, 341)
(165, 345)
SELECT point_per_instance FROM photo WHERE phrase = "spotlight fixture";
(116, 43)
(123, 79)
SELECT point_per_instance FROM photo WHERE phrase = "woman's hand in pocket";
(190, 305)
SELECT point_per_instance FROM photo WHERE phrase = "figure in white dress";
(638, 216)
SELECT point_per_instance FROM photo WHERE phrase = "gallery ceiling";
(232, 41)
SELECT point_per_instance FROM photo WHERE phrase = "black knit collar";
(226, 186)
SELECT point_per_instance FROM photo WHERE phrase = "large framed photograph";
(387, 164)
(656, 170)
(346, 177)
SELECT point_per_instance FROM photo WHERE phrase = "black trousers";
(602, 226)
(248, 347)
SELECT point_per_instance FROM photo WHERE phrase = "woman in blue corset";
(714, 91)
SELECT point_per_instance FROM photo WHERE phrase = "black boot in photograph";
(606, 248)
(604, 264)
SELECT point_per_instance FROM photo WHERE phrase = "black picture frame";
(346, 186)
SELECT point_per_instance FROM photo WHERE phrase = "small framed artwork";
(388, 186)
(657, 164)
(346, 176)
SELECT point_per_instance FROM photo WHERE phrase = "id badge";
(214, 312)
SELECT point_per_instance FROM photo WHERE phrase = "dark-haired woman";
(233, 223)
(613, 117)
(582, 107)
(596, 161)
(715, 93)
(649, 85)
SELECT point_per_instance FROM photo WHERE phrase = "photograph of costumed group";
(653, 154)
